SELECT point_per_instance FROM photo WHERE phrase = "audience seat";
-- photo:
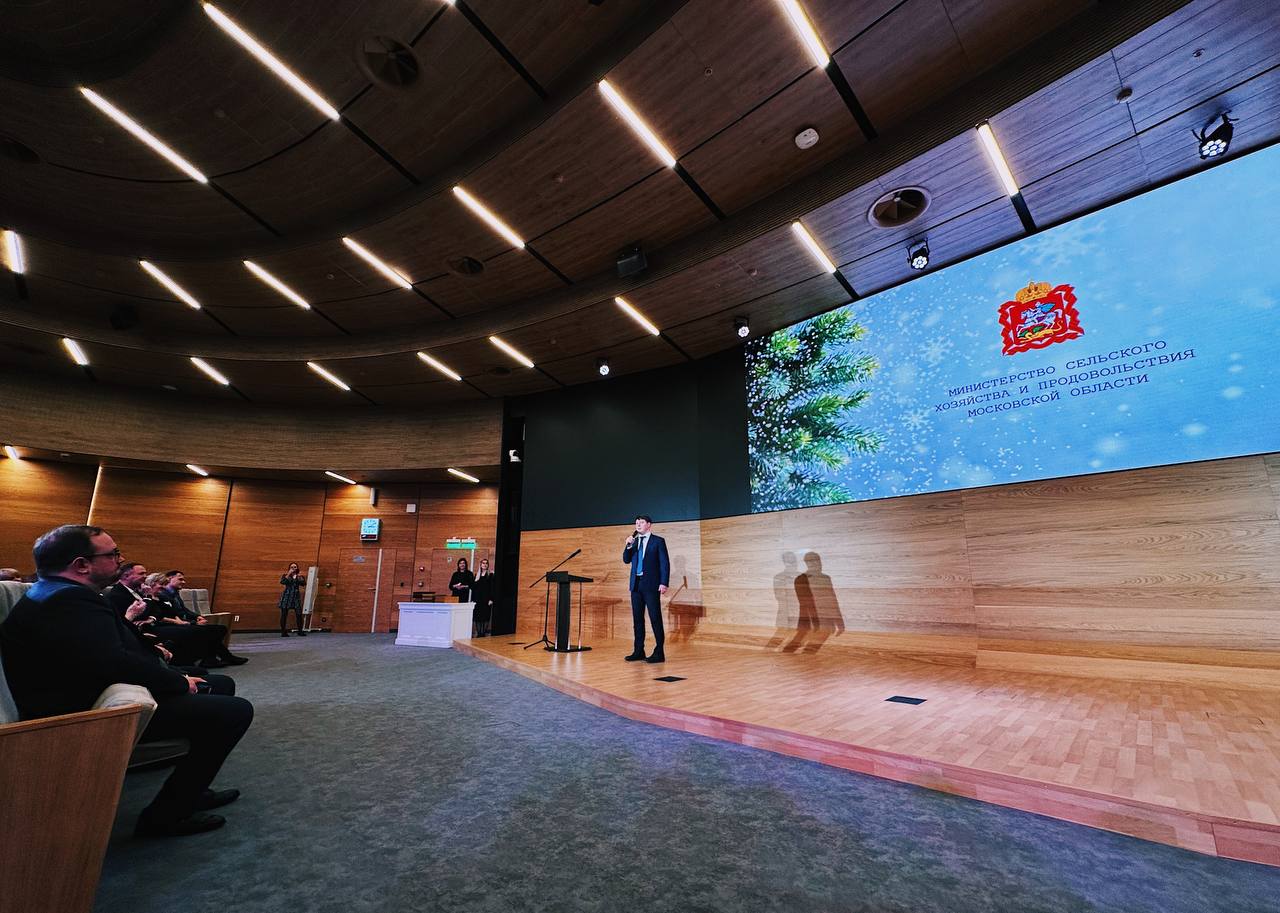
(198, 601)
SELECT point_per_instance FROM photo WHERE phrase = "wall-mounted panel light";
(74, 350)
(377, 264)
(13, 257)
(329, 376)
(637, 124)
(141, 134)
(178, 291)
(997, 159)
(440, 366)
(462, 475)
(812, 247)
(271, 62)
(514, 353)
(636, 316)
(499, 226)
(276, 284)
(334, 475)
(806, 32)
(213, 373)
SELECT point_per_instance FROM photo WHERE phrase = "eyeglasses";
(114, 553)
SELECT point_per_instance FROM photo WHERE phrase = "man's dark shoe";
(634, 657)
(657, 657)
(234, 660)
(196, 823)
(211, 798)
(210, 663)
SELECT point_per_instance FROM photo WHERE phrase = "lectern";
(564, 582)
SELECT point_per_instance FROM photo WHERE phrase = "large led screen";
(1143, 334)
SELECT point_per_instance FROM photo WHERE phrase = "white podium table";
(434, 624)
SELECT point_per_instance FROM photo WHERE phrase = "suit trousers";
(213, 724)
(640, 601)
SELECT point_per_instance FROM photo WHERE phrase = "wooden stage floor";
(1193, 767)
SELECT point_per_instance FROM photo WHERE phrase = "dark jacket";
(466, 578)
(177, 608)
(657, 564)
(62, 645)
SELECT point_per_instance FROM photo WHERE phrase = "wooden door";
(360, 583)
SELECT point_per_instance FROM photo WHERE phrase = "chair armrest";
(122, 695)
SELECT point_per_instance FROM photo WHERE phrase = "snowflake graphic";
(916, 420)
(935, 351)
(1067, 243)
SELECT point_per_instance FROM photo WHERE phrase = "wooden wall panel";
(165, 521)
(34, 498)
(1166, 573)
(269, 524)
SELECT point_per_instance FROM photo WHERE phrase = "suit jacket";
(177, 608)
(656, 564)
(63, 644)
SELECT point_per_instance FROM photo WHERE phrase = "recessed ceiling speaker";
(386, 61)
(465, 266)
(123, 316)
(898, 207)
(631, 260)
(806, 138)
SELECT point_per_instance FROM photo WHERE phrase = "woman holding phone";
(293, 583)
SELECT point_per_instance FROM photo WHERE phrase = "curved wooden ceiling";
(506, 104)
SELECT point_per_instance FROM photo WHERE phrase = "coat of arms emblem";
(1039, 316)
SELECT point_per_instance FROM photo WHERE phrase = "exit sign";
(460, 543)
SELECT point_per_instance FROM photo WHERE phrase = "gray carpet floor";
(383, 778)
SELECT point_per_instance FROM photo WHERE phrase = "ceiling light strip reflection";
(197, 470)
(514, 353)
(271, 62)
(329, 376)
(637, 124)
(276, 284)
(212, 372)
(159, 275)
(440, 366)
(365, 254)
(141, 134)
(636, 316)
(488, 217)
(13, 257)
(74, 350)
(462, 475)
(812, 247)
(806, 32)
(334, 475)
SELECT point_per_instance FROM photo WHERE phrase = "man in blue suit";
(650, 574)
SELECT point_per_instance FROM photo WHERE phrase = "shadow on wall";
(808, 611)
(682, 617)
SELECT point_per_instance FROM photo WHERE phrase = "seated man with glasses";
(63, 645)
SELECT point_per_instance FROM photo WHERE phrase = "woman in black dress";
(293, 583)
(461, 582)
(482, 596)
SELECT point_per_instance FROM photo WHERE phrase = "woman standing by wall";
(461, 582)
(293, 583)
(482, 596)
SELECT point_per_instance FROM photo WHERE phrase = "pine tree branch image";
(803, 386)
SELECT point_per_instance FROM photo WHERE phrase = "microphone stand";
(546, 611)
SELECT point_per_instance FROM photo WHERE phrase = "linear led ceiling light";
(364, 254)
(805, 30)
(518, 356)
(13, 258)
(334, 475)
(139, 133)
(213, 373)
(812, 246)
(462, 475)
(157, 274)
(74, 350)
(489, 218)
(197, 470)
(997, 159)
(440, 366)
(636, 315)
(330, 377)
(637, 124)
(271, 62)
(276, 284)
(11, 452)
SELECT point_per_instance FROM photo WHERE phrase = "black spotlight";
(602, 365)
(918, 254)
(742, 327)
(1216, 143)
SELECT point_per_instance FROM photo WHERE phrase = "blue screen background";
(1195, 264)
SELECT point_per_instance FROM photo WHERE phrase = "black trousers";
(640, 601)
(190, 643)
(284, 617)
(213, 724)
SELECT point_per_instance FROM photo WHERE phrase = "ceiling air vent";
(465, 266)
(898, 207)
(388, 62)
